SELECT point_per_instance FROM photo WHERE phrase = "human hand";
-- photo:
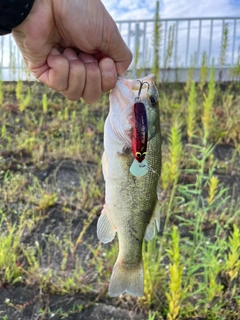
(73, 47)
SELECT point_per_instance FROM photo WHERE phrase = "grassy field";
(52, 191)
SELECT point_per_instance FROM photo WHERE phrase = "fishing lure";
(140, 132)
(139, 166)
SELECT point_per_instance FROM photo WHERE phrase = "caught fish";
(131, 167)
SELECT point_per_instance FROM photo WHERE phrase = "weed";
(157, 43)
(175, 273)
(169, 51)
(213, 189)
(223, 49)
(191, 71)
(9, 253)
(203, 71)
(23, 100)
(137, 54)
(47, 201)
(44, 103)
(153, 271)
(171, 167)
(208, 105)
(191, 114)
(3, 131)
(236, 69)
(19, 90)
(170, 46)
(153, 315)
(212, 271)
(233, 261)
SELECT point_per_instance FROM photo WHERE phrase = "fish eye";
(138, 154)
(153, 100)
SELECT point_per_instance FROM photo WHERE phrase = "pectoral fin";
(105, 229)
(155, 219)
(139, 169)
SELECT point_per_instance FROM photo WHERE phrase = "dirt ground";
(22, 302)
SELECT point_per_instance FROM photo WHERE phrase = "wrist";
(13, 13)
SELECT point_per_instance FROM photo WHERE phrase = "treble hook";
(138, 99)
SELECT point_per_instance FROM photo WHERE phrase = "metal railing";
(191, 37)
(183, 42)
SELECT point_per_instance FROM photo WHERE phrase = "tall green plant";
(236, 69)
(171, 168)
(191, 71)
(191, 114)
(44, 103)
(170, 45)
(208, 105)
(233, 261)
(9, 253)
(175, 291)
(136, 57)
(157, 43)
(19, 90)
(223, 49)
(23, 100)
(203, 71)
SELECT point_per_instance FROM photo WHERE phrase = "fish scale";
(131, 209)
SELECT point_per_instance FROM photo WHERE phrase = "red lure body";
(140, 132)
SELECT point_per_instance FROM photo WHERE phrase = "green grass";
(191, 269)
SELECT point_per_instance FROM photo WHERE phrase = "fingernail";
(54, 52)
(107, 66)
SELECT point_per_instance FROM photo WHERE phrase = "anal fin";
(153, 223)
(105, 229)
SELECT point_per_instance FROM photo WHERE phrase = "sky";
(144, 9)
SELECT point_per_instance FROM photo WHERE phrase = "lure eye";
(140, 155)
(153, 100)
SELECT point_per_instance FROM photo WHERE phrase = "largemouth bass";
(131, 167)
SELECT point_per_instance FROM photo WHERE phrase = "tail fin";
(126, 280)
